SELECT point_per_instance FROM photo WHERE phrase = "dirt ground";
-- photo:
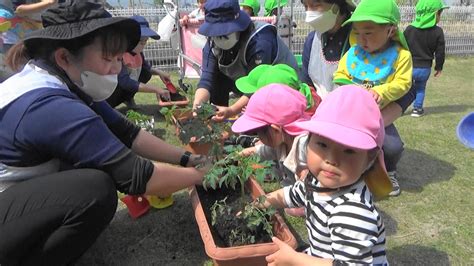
(161, 237)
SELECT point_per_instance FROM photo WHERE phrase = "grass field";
(431, 222)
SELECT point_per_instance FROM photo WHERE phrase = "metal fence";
(457, 23)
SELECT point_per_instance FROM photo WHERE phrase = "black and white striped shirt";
(344, 226)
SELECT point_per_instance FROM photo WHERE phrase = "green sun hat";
(426, 13)
(264, 75)
(272, 4)
(379, 12)
(253, 4)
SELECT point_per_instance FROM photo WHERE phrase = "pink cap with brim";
(350, 116)
(273, 104)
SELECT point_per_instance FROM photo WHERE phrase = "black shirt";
(426, 44)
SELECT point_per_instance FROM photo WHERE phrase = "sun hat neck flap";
(74, 19)
(426, 13)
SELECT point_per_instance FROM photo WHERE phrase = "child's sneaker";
(417, 112)
(396, 188)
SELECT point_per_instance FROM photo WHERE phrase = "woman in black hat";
(53, 118)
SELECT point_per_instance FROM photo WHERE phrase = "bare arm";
(226, 112)
(202, 95)
(167, 179)
(275, 199)
(391, 113)
(153, 148)
(142, 87)
(28, 9)
(289, 257)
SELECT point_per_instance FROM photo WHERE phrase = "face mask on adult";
(226, 42)
(98, 87)
(321, 21)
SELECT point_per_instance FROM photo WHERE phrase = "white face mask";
(226, 42)
(321, 21)
(98, 87)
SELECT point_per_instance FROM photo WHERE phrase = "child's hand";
(183, 21)
(284, 256)
(437, 73)
(222, 113)
(376, 96)
(248, 151)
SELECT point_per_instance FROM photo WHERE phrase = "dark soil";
(174, 97)
(221, 231)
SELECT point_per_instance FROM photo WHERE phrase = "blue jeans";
(392, 148)
(420, 77)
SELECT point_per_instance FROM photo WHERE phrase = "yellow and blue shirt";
(389, 73)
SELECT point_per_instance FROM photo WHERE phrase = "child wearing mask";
(380, 62)
(344, 226)
(426, 41)
(136, 72)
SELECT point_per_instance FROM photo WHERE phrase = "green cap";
(253, 4)
(379, 12)
(426, 13)
(264, 75)
(272, 4)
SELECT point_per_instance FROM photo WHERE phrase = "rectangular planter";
(181, 103)
(248, 255)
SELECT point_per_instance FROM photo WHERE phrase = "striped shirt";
(343, 226)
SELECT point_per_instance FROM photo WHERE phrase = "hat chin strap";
(309, 187)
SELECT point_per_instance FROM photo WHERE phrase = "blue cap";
(145, 28)
(465, 131)
(223, 17)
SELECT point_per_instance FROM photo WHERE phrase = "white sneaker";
(396, 188)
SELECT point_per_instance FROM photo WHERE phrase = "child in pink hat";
(272, 114)
(346, 135)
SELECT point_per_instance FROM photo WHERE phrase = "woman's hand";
(163, 94)
(197, 159)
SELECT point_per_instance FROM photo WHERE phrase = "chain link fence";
(457, 23)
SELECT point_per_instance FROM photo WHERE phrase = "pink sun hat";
(276, 104)
(349, 116)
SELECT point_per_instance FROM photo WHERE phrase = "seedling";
(144, 121)
(236, 168)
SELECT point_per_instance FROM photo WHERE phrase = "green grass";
(432, 221)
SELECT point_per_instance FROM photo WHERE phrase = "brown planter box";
(249, 255)
(182, 103)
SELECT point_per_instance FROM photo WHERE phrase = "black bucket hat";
(77, 18)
